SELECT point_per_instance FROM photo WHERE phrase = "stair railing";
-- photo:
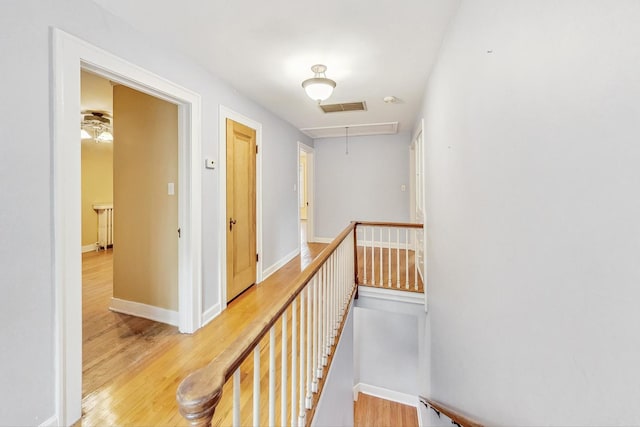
(313, 315)
(390, 255)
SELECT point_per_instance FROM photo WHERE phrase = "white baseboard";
(391, 294)
(210, 314)
(51, 422)
(89, 248)
(279, 264)
(322, 240)
(150, 312)
(383, 393)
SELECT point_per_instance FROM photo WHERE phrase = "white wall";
(363, 185)
(532, 184)
(386, 345)
(26, 308)
(335, 406)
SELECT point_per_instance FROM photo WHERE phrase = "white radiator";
(105, 225)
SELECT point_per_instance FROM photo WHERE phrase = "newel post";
(355, 256)
(197, 399)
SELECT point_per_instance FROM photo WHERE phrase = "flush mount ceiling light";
(97, 126)
(319, 87)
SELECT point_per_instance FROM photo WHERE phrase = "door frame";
(309, 151)
(69, 55)
(224, 114)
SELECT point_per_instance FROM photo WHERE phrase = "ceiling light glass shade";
(105, 137)
(319, 87)
(84, 134)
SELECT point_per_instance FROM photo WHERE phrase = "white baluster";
(283, 373)
(332, 306)
(415, 258)
(397, 258)
(325, 317)
(309, 341)
(389, 253)
(272, 376)
(316, 323)
(336, 298)
(406, 258)
(294, 365)
(256, 385)
(301, 394)
(381, 272)
(364, 249)
(373, 257)
(236, 398)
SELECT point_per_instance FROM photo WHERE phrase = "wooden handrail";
(200, 392)
(390, 224)
(453, 415)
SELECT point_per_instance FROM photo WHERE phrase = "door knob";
(231, 222)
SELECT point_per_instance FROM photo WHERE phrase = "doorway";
(69, 56)
(129, 290)
(305, 193)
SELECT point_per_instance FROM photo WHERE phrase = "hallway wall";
(363, 185)
(26, 258)
(531, 131)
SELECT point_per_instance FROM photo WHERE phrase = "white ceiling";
(265, 49)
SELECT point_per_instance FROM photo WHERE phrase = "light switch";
(209, 163)
(171, 189)
(295, 187)
(403, 187)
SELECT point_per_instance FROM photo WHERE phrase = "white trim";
(51, 422)
(279, 264)
(89, 248)
(227, 113)
(310, 190)
(384, 393)
(323, 239)
(69, 55)
(157, 314)
(423, 414)
(391, 294)
(211, 314)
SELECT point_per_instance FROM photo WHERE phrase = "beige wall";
(97, 185)
(145, 257)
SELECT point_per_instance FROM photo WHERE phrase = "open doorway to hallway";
(305, 193)
(129, 171)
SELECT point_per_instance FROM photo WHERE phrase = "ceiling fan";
(96, 125)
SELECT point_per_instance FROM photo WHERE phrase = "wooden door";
(241, 208)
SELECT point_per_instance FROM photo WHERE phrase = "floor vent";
(347, 106)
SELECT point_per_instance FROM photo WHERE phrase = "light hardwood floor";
(113, 344)
(369, 411)
(138, 387)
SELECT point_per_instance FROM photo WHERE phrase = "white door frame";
(310, 180)
(227, 113)
(69, 56)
